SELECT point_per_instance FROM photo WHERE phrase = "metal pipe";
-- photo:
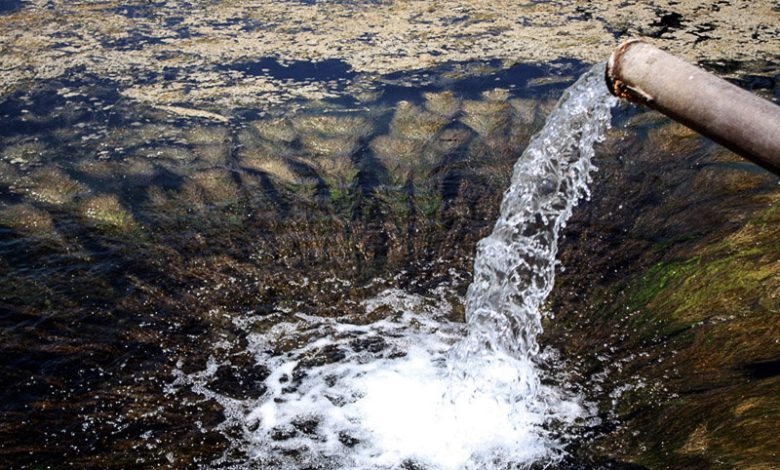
(735, 118)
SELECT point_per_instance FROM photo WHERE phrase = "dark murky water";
(9, 6)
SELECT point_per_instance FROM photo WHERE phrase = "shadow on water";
(764, 369)
(10, 6)
(331, 69)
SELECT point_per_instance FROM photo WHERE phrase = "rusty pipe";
(735, 118)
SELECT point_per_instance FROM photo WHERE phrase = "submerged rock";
(525, 110)
(337, 170)
(241, 383)
(25, 153)
(339, 146)
(106, 212)
(444, 103)
(173, 157)
(398, 154)
(276, 130)
(211, 144)
(412, 122)
(27, 220)
(487, 118)
(418, 141)
(451, 139)
(130, 170)
(728, 179)
(51, 186)
(346, 125)
(675, 139)
(497, 94)
(9, 175)
(208, 135)
(252, 144)
(280, 168)
(212, 187)
(98, 169)
(140, 134)
(138, 170)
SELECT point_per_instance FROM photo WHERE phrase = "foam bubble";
(389, 398)
(413, 410)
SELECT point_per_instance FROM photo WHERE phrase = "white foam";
(414, 411)
(378, 410)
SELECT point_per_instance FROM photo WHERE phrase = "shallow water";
(234, 280)
(380, 396)
(133, 236)
(143, 234)
(9, 6)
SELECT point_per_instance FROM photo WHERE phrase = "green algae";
(727, 273)
(673, 312)
(107, 213)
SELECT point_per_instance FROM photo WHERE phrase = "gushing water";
(415, 390)
(514, 270)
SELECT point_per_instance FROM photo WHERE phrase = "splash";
(415, 390)
(514, 270)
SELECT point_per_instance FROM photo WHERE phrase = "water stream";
(414, 389)
(514, 270)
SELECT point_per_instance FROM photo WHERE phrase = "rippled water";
(248, 261)
(137, 243)
(416, 389)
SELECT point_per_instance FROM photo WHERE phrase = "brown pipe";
(735, 118)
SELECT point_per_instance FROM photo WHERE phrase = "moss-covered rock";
(280, 168)
(215, 187)
(344, 125)
(27, 220)
(393, 150)
(412, 122)
(487, 118)
(318, 145)
(106, 212)
(276, 130)
(25, 152)
(675, 138)
(445, 103)
(207, 135)
(51, 185)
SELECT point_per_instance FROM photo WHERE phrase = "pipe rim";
(615, 86)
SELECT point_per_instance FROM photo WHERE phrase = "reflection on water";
(9, 6)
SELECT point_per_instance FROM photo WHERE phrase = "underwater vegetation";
(680, 330)
(130, 238)
(178, 179)
(666, 309)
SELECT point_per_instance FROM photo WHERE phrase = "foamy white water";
(416, 390)
(388, 402)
